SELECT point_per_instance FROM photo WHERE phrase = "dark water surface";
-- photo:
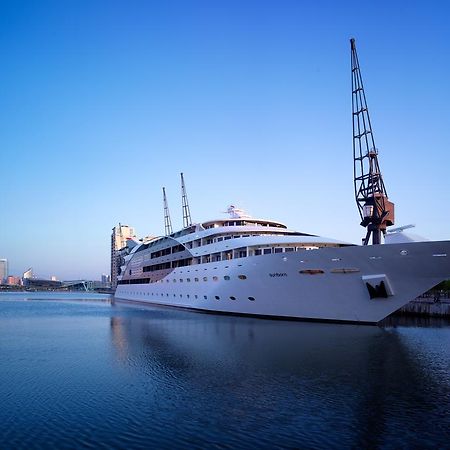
(78, 372)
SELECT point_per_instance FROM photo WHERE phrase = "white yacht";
(243, 265)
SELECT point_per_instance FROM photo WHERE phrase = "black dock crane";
(376, 211)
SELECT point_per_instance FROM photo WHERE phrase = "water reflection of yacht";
(363, 379)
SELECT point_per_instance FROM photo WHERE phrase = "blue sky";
(104, 102)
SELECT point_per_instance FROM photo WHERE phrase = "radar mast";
(376, 211)
(185, 205)
(167, 222)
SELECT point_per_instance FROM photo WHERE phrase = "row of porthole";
(216, 297)
(188, 280)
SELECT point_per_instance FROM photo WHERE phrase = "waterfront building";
(28, 274)
(119, 237)
(13, 281)
(3, 269)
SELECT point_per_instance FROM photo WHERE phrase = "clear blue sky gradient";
(104, 102)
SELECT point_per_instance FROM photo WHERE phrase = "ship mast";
(185, 205)
(167, 222)
(376, 211)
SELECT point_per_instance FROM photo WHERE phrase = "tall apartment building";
(120, 235)
(3, 270)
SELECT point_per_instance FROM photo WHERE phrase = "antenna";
(376, 211)
(185, 205)
(167, 221)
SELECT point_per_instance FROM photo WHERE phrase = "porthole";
(232, 298)
(181, 295)
(205, 278)
(196, 296)
(195, 279)
(187, 295)
(174, 280)
(226, 277)
(217, 297)
(174, 295)
(181, 280)
(215, 278)
(242, 277)
(188, 280)
(205, 297)
(252, 299)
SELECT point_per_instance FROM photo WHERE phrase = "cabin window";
(215, 278)
(205, 278)
(258, 251)
(252, 299)
(278, 250)
(195, 279)
(226, 277)
(217, 297)
(267, 251)
(288, 249)
(242, 277)
(232, 298)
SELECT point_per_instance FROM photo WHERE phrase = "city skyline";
(104, 103)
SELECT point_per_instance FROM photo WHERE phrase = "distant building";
(106, 278)
(3, 270)
(13, 281)
(28, 274)
(119, 237)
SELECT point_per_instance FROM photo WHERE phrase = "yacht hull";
(362, 284)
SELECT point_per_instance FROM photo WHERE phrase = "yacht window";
(215, 278)
(242, 277)
(188, 280)
(232, 298)
(217, 297)
(226, 277)
(278, 250)
(195, 279)
(288, 249)
(258, 251)
(219, 239)
(205, 278)
(267, 251)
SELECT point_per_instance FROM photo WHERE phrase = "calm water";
(78, 372)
